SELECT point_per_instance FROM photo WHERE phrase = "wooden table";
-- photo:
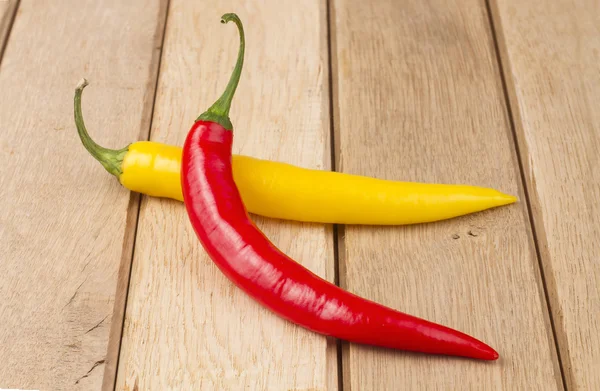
(103, 288)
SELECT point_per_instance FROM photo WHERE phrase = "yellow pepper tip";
(506, 199)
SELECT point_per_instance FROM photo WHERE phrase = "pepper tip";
(506, 199)
(487, 353)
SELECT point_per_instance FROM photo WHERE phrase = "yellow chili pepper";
(280, 190)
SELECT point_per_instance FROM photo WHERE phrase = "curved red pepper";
(247, 257)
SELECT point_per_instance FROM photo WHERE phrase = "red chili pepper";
(247, 257)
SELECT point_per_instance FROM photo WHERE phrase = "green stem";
(219, 111)
(111, 159)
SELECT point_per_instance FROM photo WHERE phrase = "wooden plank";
(7, 11)
(63, 219)
(186, 325)
(420, 98)
(551, 51)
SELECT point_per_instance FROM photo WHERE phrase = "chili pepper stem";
(219, 111)
(111, 159)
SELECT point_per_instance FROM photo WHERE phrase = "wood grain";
(551, 51)
(186, 326)
(7, 11)
(62, 217)
(418, 97)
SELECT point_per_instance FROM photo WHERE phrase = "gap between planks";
(338, 229)
(109, 381)
(495, 30)
(6, 22)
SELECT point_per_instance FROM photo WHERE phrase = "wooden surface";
(187, 326)
(551, 54)
(94, 295)
(63, 219)
(432, 110)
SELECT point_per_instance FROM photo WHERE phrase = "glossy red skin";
(247, 257)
